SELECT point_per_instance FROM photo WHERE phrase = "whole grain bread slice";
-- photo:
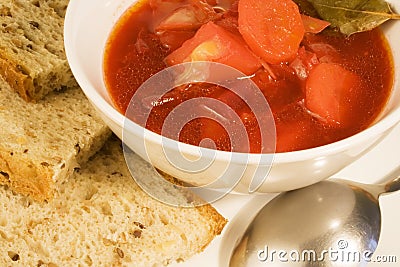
(41, 143)
(32, 56)
(100, 217)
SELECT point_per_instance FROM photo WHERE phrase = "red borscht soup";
(321, 85)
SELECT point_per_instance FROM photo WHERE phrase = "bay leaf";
(307, 8)
(351, 16)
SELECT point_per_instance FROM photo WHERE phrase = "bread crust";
(101, 217)
(42, 143)
(32, 55)
(20, 82)
(26, 178)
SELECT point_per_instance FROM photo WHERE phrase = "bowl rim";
(380, 126)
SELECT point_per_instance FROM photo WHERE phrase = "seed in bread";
(32, 56)
(41, 143)
(101, 217)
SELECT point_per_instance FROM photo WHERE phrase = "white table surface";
(371, 168)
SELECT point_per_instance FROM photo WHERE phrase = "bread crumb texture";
(32, 56)
(42, 143)
(100, 217)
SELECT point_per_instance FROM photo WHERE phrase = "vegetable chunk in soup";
(321, 86)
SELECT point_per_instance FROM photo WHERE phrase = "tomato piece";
(314, 25)
(213, 43)
(273, 29)
(331, 93)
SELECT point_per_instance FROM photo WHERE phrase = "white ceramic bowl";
(87, 27)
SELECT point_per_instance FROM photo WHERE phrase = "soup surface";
(322, 89)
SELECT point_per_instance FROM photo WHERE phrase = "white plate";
(371, 168)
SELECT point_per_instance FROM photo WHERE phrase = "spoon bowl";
(331, 223)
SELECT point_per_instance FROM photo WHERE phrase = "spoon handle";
(394, 183)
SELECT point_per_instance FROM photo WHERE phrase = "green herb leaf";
(352, 16)
(307, 8)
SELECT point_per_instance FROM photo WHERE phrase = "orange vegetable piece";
(314, 25)
(214, 43)
(331, 93)
(273, 29)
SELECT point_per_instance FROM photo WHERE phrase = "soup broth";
(148, 38)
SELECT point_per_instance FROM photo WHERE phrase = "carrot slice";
(331, 93)
(273, 29)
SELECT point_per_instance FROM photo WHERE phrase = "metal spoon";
(331, 223)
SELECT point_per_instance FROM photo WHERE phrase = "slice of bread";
(41, 143)
(102, 218)
(32, 56)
